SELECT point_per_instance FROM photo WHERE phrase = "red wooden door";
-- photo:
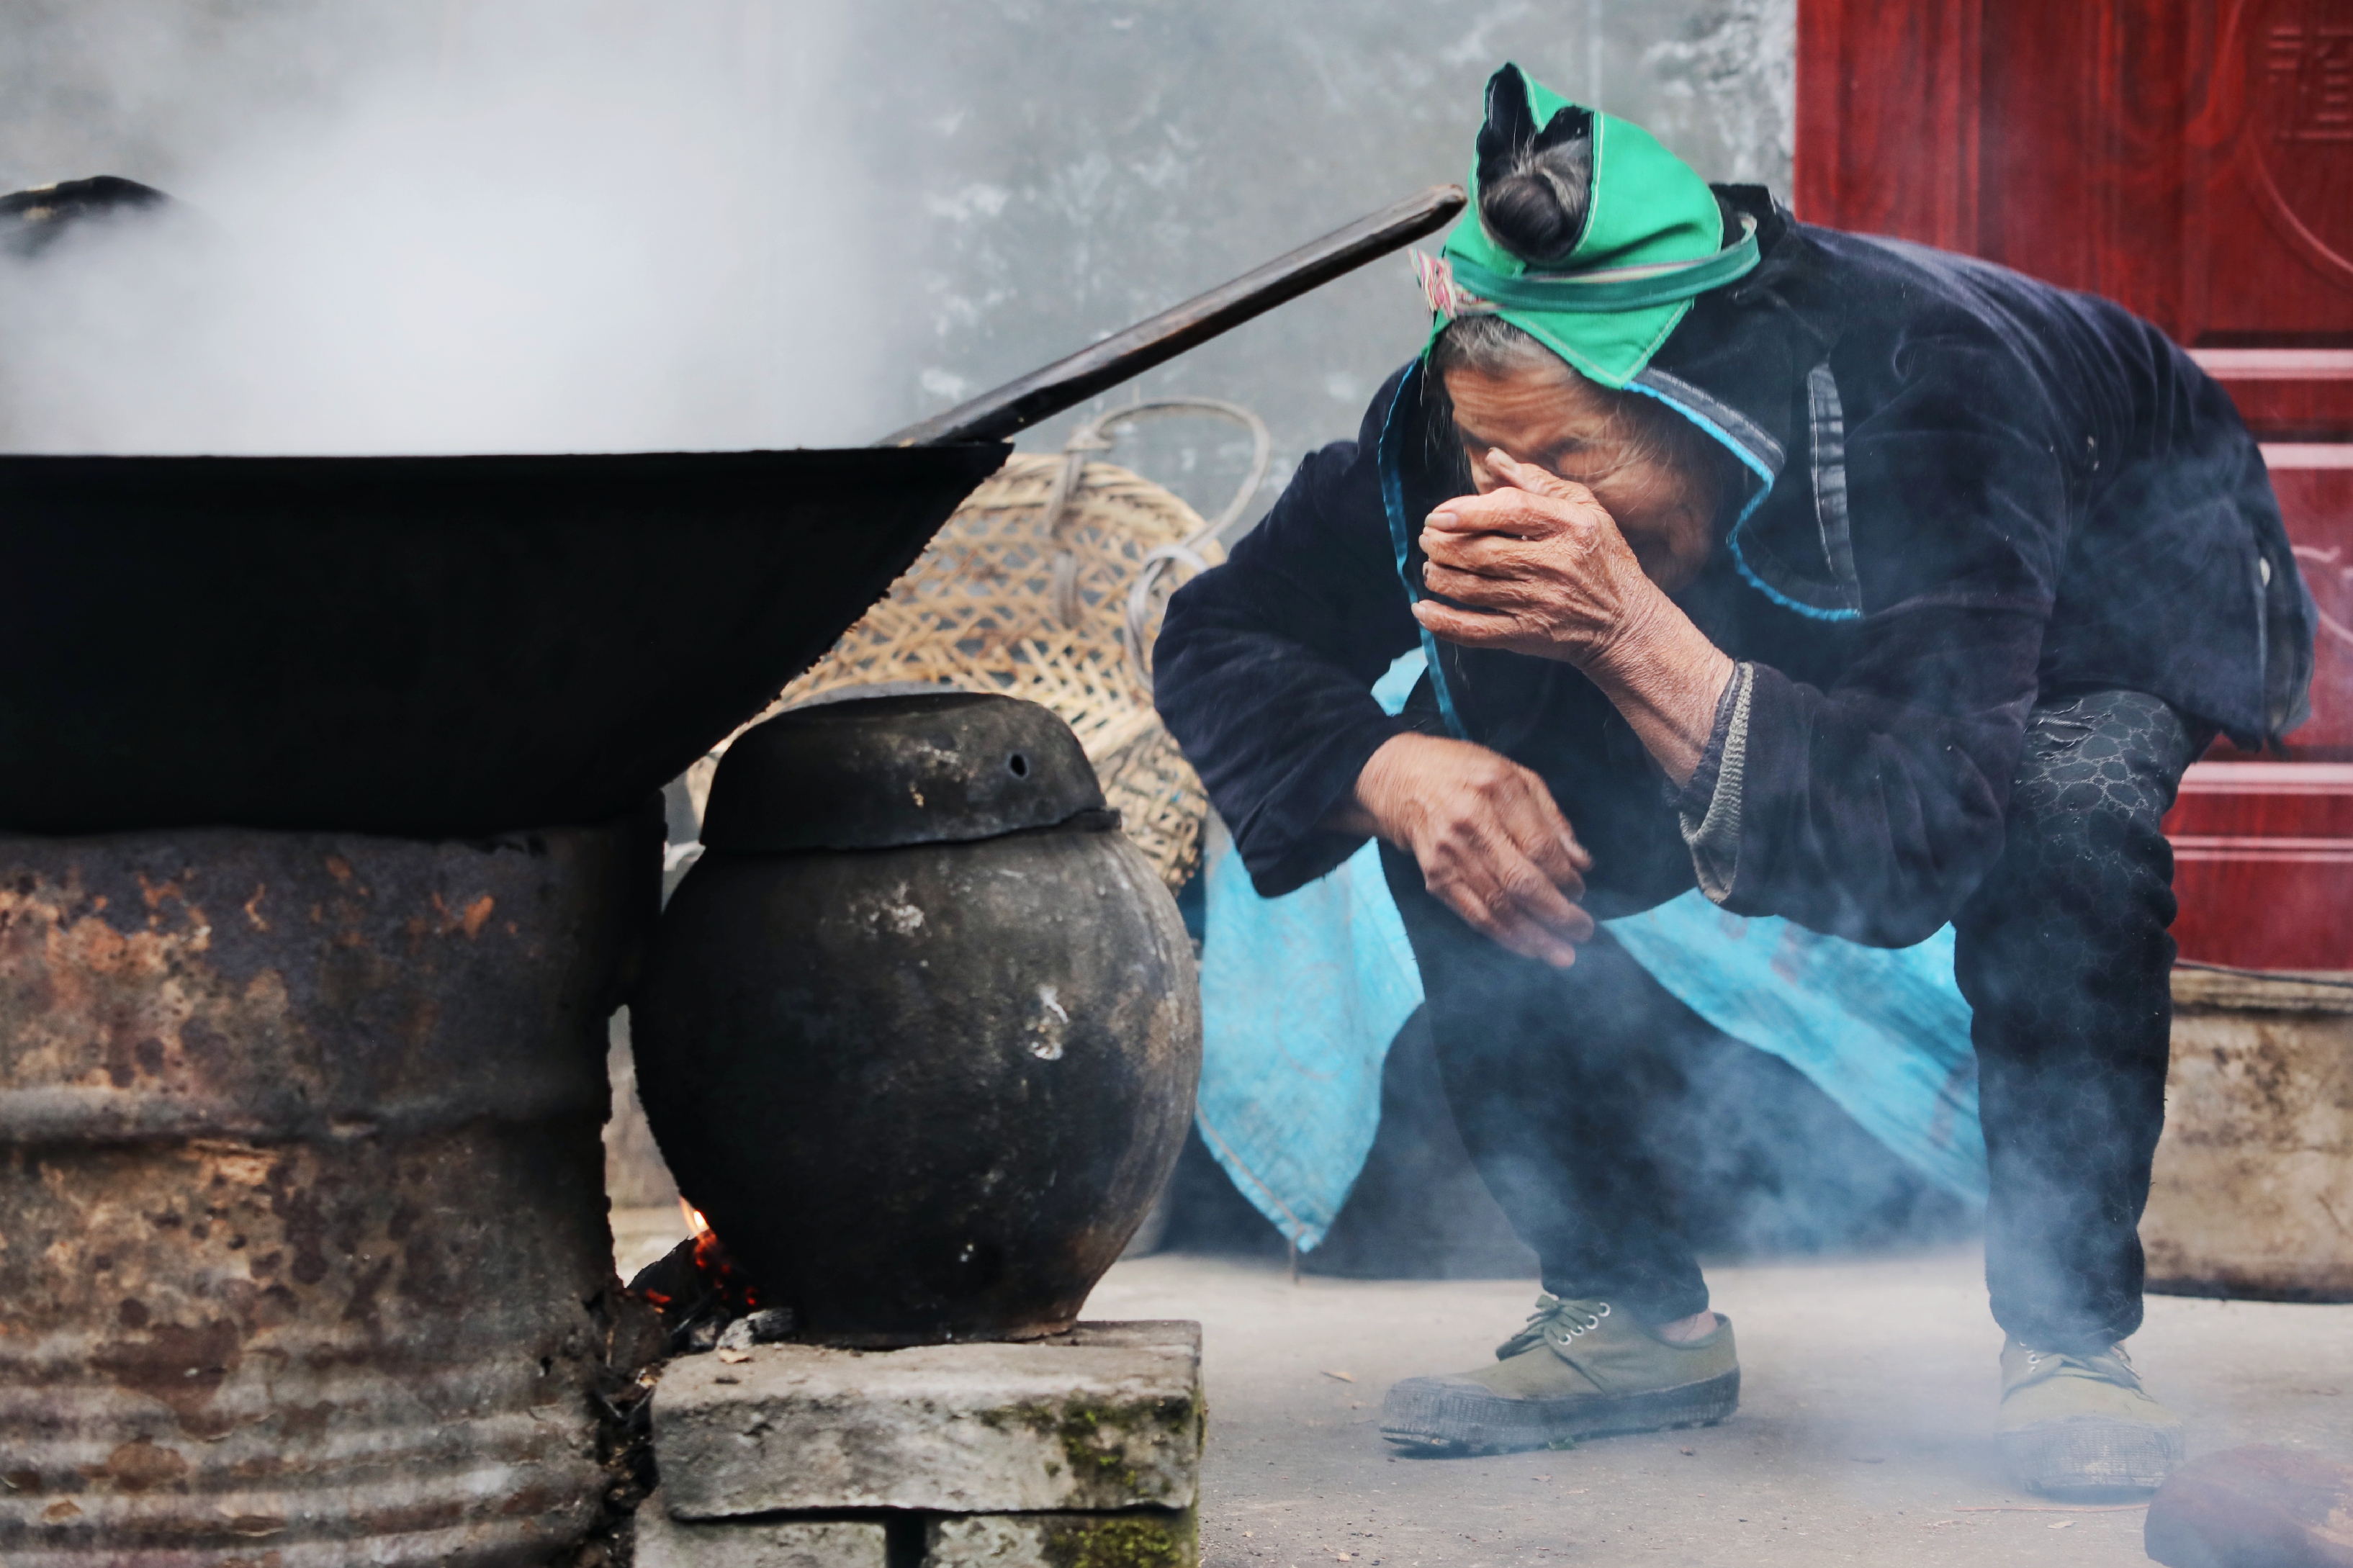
(2194, 162)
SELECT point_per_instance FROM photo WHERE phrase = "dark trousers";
(1594, 1103)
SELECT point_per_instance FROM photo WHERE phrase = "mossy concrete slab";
(1143, 1538)
(1106, 1416)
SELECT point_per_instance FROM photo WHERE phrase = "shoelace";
(1555, 1319)
(2112, 1366)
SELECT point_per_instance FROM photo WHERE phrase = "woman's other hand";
(1491, 844)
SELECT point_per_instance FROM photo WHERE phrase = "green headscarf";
(1653, 238)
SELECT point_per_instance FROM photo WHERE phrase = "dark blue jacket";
(1970, 487)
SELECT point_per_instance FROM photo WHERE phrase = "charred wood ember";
(2255, 1508)
(769, 1326)
(621, 1395)
(700, 1296)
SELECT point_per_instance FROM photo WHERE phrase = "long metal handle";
(1042, 393)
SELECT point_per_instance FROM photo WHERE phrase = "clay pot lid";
(878, 771)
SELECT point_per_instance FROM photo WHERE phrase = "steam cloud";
(514, 226)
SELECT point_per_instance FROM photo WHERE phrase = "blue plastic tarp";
(1302, 995)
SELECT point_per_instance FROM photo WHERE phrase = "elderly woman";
(1845, 580)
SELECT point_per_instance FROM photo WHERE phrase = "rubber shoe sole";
(2093, 1455)
(1444, 1414)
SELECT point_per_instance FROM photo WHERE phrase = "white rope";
(1094, 436)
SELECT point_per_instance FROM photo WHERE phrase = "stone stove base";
(1142, 1538)
(1079, 1451)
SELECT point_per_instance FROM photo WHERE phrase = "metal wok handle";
(1042, 393)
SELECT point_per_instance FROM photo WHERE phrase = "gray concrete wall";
(1077, 166)
(946, 194)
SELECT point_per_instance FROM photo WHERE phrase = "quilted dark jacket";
(1981, 488)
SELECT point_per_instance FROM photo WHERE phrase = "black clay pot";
(921, 1029)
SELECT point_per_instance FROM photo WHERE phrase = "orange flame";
(711, 1261)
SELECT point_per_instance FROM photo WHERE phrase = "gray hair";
(1490, 346)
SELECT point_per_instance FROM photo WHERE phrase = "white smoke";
(497, 225)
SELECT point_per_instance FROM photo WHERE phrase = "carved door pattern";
(2298, 148)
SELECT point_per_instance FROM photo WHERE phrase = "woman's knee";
(2085, 879)
(2102, 763)
(2086, 824)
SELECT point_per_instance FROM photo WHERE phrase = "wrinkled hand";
(1540, 566)
(1491, 842)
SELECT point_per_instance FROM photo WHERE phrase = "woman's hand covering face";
(1535, 566)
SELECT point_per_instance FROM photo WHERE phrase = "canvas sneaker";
(1579, 1369)
(2082, 1423)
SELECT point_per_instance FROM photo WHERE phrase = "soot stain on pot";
(887, 910)
(1051, 1029)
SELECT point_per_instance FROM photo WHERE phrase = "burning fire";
(719, 1278)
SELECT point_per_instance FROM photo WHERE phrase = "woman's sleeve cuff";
(1709, 805)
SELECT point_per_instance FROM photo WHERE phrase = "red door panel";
(2269, 192)
(2262, 865)
(2317, 501)
(2193, 160)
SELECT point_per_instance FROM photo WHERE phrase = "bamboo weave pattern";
(982, 610)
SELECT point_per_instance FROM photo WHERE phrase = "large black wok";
(421, 645)
(436, 647)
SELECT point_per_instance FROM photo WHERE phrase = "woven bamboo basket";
(1048, 583)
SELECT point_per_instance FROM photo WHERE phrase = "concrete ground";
(1863, 1435)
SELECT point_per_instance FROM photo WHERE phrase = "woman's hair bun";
(1536, 182)
(1535, 207)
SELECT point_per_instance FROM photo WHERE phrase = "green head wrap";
(1653, 238)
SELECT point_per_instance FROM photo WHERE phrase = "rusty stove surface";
(302, 1246)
